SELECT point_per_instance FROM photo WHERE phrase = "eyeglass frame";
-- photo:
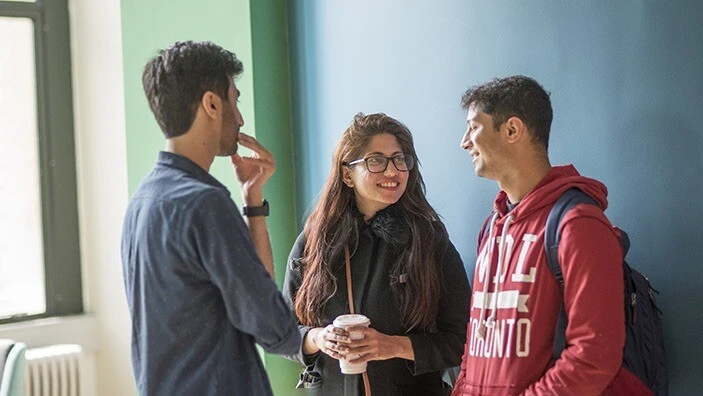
(388, 161)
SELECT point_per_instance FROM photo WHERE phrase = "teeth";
(393, 184)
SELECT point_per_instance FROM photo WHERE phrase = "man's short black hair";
(514, 96)
(176, 79)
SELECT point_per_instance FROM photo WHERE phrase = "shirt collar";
(173, 160)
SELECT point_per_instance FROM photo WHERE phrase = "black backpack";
(643, 354)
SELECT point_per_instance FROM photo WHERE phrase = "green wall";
(272, 110)
(148, 26)
(257, 34)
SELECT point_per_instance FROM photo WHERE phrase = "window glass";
(21, 243)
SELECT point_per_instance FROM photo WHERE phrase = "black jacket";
(373, 282)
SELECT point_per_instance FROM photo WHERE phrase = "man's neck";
(524, 179)
(189, 146)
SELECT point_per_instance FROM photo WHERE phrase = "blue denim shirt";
(198, 294)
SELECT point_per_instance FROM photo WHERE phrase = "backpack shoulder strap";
(566, 201)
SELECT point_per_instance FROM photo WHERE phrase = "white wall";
(98, 93)
(102, 180)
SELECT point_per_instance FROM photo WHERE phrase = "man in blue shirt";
(198, 276)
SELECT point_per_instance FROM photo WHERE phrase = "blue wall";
(627, 87)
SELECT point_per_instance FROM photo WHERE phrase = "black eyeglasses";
(379, 163)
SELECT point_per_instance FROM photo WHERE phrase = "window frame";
(57, 159)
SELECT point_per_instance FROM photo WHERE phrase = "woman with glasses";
(406, 276)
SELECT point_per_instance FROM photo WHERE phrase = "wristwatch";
(252, 211)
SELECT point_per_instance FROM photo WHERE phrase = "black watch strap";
(252, 211)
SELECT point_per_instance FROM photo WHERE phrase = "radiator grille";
(53, 371)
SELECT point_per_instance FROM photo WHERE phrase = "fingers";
(333, 342)
(368, 335)
(361, 359)
(365, 330)
(255, 170)
(338, 334)
(253, 144)
(363, 353)
(334, 350)
(260, 165)
(367, 349)
(373, 346)
(338, 344)
(236, 159)
(261, 162)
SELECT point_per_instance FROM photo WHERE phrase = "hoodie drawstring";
(502, 246)
(482, 328)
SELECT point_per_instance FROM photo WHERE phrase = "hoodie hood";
(546, 193)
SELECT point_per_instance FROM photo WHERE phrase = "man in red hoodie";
(516, 299)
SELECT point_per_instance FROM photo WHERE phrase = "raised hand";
(255, 170)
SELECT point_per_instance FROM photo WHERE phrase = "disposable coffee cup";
(345, 322)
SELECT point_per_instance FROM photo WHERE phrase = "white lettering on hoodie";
(493, 337)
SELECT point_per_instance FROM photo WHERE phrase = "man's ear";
(515, 129)
(346, 177)
(212, 104)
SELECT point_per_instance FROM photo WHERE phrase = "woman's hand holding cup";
(351, 324)
(331, 341)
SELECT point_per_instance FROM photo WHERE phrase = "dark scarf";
(391, 225)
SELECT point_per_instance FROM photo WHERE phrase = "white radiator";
(54, 370)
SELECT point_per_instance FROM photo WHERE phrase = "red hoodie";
(510, 338)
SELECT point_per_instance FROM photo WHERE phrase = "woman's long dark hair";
(332, 225)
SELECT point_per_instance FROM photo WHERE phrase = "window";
(39, 248)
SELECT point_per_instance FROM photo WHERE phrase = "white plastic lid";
(351, 320)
